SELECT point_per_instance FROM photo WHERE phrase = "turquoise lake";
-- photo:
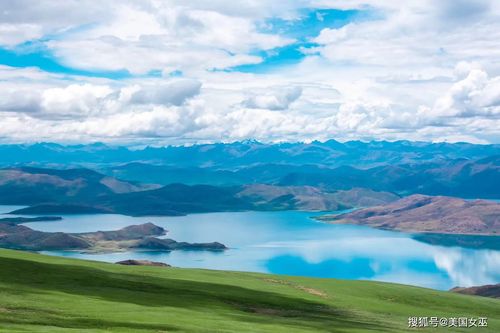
(293, 243)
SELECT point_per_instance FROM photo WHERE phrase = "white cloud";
(475, 95)
(80, 101)
(173, 93)
(74, 100)
(417, 36)
(422, 70)
(13, 34)
(178, 111)
(279, 100)
(160, 36)
(25, 20)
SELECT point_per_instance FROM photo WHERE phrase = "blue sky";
(307, 25)
(299, 70)
(42, 58)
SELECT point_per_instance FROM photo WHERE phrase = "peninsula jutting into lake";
(140, 237)
(419, 213)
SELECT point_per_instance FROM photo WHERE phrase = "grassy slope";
(48, 294)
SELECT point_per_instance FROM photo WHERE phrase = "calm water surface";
(294, 244)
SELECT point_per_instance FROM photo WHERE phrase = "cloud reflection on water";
(291, 243)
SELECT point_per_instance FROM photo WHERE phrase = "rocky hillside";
(27, 185)
(420, 213)
(311, 198)
(20, 237)
(82, 191)
(490, 290)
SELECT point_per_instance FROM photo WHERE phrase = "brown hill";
(420, 213)
(20, 237)
(23, 238)
(311, 198)
(27, 185)
(131, 232)
(490, 290)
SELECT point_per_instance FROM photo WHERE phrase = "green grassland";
(47, 294)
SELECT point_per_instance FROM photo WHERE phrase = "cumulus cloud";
(19, 100)
(140, 36)
(174, 93)
(25, 20)
(420, 34)
(179, 111)
(475, 95)
(278, 100)
(422, 70)
(74, 100)
(13, 34)
(77, 101)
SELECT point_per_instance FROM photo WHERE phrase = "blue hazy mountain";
(330, 153)
(461, 169)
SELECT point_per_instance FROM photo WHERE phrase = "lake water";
(292, 243)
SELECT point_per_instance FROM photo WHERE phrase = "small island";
(134, 237)
(134, 262)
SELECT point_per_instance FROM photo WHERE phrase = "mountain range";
(176, 180)
(402, 167)
(50, 191)
(247, 153)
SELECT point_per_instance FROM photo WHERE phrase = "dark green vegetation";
(421, 213)
(138, 237)
(49, 294)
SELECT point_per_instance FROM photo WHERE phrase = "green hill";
(47, 294)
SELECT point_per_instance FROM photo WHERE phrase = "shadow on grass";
(247, 305)
(86, 323)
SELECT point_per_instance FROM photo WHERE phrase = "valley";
(250, 206)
